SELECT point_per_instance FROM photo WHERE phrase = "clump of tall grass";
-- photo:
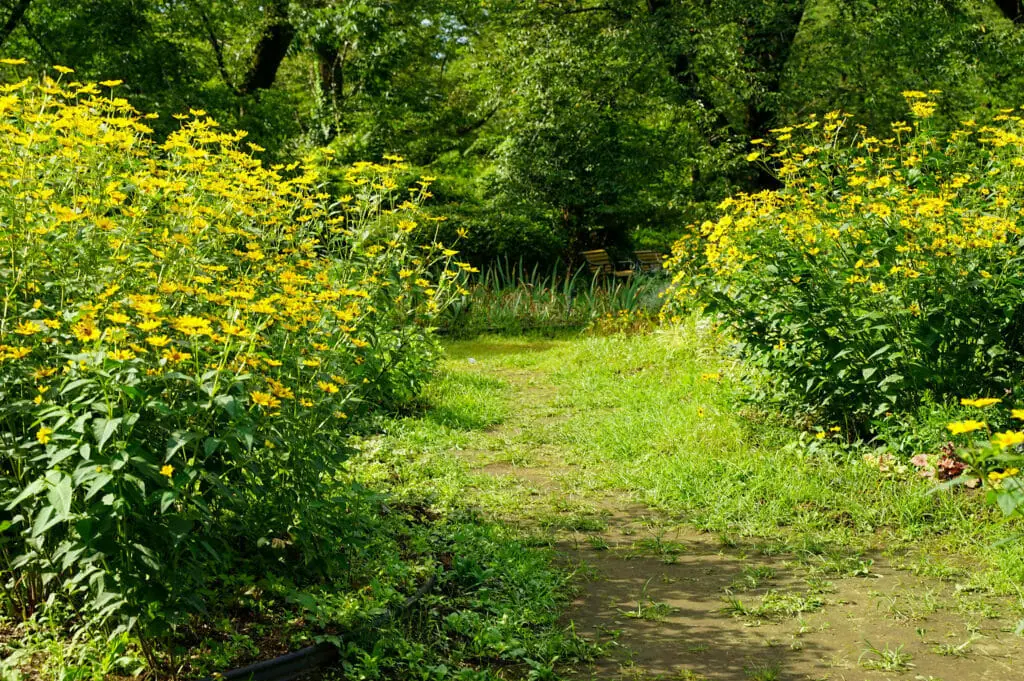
(511, 297)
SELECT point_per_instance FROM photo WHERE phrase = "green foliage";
(510, 297)
(185, 335)
(885, 270)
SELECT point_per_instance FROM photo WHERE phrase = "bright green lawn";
(647, 419)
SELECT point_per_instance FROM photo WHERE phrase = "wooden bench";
(649, 261)
(600, 262)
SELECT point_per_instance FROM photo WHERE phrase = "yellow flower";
(43, 434)
(13, 62)
(980, 402)
(26, 328)
(329, 388)
(711, 377)
(961, 427)
(172, 355)
(86, 330)
(157, 341)
(111, 83)
(167, 471)
(192, 326)
(264, 399)
(1008, 473)
(1017, 414)
(1008, 438)
(150, 325)
(753, 156)
(62, 69)
(118, 318)
(121, 355)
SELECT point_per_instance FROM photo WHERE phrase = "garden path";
(665, 601)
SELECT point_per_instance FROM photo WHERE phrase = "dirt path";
(667, 602)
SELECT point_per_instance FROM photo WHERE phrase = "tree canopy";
(551, 125)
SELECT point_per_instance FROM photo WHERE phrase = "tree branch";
(218, 50)
(270, 50)
(1012, 10)
(13, 20)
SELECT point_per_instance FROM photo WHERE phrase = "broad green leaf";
(103, 429)
(60, 496)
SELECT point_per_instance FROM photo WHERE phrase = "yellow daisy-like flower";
(264, 399)
(329, 388)
(192, 326)
(43, 435)
(167, 471)
(961, 427)
(980, 402)
(157, 341)
(1017, 414)
(995, 476)
(122, 355)
(86, 330)
(1008, 438)
(27, 328)
(172, 355)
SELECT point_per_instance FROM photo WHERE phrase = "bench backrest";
(650, 260)
(598, 261)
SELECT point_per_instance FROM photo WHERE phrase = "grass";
(651, 416)
(658, 418)
(885, 659)
(510, 298)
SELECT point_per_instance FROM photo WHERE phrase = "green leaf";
(45, 519)
(103, 429)
(60, 496)
(33, 489)
(167, 498)
(98, 483)
(230, 404)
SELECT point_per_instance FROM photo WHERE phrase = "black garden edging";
(293, 665)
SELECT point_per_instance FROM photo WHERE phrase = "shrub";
(185, 336)
(885, 269)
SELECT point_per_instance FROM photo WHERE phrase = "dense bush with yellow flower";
(185, 335)
(888, 268)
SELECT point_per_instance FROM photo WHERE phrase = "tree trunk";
(13, 20)
(270, 50)
(1012, 10)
